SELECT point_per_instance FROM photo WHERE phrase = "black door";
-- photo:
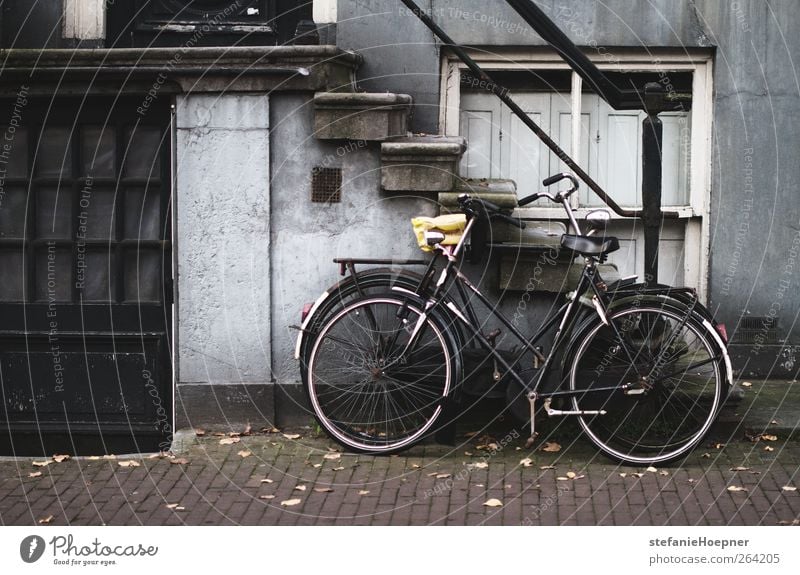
(85, 276)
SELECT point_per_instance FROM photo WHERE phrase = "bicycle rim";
(365, 392)
(675, 364)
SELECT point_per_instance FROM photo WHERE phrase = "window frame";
(698, 62)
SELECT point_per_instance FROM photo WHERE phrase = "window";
(605, 142)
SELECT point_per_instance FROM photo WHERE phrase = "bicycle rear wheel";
(373, 387)
(672, 366)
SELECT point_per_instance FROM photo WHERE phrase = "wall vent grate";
(326, 185)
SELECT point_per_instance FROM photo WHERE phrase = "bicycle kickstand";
(532, 439)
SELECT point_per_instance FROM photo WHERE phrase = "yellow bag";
(452, 226)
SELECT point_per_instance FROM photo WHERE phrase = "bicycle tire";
(363, 396)
(675, 412)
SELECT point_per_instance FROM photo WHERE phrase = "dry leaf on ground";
(129, 463)
(551, 447)
(571, 474)
(740, 468)
(267, 481)
(35, 474)
(623, 475)
(266, 497)
(323, 490)
(768, 448)
(706, 456)
(527, 462)
(46, 520)
(300, 488)
(290, 502)
(179, 461)
(332, 456)
(60, 458)
(652, 469)
(789, 488)
(493, 503)
(291, 435)
(769, 437)
(747, 384)
(199, 432)
(562, 478)
(442, 476)
(736, 489)
(244, 453)
(481, 465)
(363, 492)
(663, 473)
(229, 441)
(338, 468)
(545, 467)
(42, 463)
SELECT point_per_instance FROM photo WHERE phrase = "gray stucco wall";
(307, 236)
(222, 247)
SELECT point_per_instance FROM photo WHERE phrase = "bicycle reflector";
(723, 332)
(306, 310)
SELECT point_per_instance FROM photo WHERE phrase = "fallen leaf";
(651, 469)
(42, 463)
(247, 430)
(468, 453)
(218, 434)
(692, 480)
(46, 520)
(179, 461)
(544, 467)
(266, 497)
(774, 422)
(291, 435)
(109, 456)
(718, 445)
(768, 437)
(35, 474)
(172, 505)
(706, 456)
(290, 502)
(740, 468)
(442, 476)
(60, 458)
(789, 488)
(562, 478)
(493, 503)
(517, 449)
(199, 432)
(270, 430)
(244, 453)
(623, 475)
(747, 384)
(300, 488)
(792, 522)
(94, 457)
(363, 492)
(129, 463)
(332, 456)
(527, 462)
(479, 485)
(663, 473)
(551, 447)
(639, 474)
(768, 448)
(338, 468)
(481, 465)
(736, 489)
(267, 481)
(229, 441)
(323, 490)
(471, 433)
(414, 466)
(571, 474)
(317, 465)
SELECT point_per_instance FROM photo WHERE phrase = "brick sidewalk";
(213, 484)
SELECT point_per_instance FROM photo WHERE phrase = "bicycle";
(644, 368)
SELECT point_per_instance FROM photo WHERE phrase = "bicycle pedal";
(638, 391)
(530, 441)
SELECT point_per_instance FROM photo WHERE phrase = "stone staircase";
(429, 164)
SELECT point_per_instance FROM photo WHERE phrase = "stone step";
(425, 164)
(361, 116)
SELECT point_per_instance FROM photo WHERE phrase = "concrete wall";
(222, 250)
(307, 236)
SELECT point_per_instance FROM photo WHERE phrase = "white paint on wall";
(84, 19)
(325, 11)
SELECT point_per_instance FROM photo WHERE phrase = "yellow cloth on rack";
(452, 226)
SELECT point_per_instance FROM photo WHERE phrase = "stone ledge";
(360, 116)
(421, 163)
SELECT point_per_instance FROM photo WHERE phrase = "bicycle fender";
(301, 334)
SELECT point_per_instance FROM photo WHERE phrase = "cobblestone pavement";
(271, 479)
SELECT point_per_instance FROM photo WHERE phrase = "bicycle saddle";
(589, 245)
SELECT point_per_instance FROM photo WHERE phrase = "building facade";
(177, 177)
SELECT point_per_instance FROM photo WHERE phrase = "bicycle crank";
(551, 412)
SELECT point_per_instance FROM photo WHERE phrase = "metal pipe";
(502, 93)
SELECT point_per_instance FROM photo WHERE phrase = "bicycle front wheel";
(378, 377)
(663, 369)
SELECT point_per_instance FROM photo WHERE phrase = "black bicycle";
(384, 354)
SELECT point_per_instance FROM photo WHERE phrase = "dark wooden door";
(85, 276)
